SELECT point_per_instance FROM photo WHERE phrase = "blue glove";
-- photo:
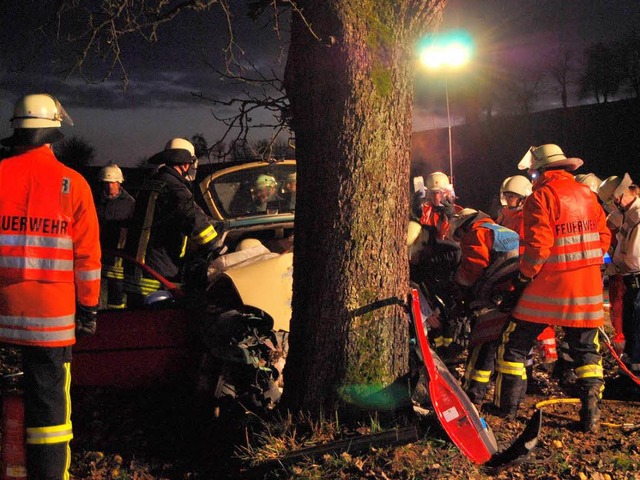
(86, 320)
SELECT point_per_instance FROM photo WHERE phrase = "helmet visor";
(62, 115)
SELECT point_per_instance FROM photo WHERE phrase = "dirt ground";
(160, 434)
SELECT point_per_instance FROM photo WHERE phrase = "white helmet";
(613, 187)
(36, 121)
(111, 173)
(176, 152)
(438, 181)
(518, 184)
(39, 110)
(460, 220)
(590, 180)
(546, 155)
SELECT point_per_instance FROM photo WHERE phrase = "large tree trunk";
(350, 82)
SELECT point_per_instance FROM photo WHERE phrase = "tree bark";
(349, 78)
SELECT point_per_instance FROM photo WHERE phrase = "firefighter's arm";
(86, 246)
(631, 261)
(538, 234)
(476, 255)
(603, 229)
(196, 225)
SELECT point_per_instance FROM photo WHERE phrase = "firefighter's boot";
(590, 411)
(510, 391)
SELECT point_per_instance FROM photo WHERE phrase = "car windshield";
(255, 191)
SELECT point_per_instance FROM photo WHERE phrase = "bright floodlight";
(450, 50)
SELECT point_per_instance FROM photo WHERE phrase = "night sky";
(127, 126)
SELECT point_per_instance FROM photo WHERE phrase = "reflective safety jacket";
(512, 219)
(49, 249)
(487, 249)
(435, 217)
(565, 237)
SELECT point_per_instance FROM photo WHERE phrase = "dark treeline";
(605, 136)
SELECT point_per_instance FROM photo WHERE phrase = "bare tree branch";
(100, 29)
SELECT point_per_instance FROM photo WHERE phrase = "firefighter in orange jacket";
(565, 237)
(49, 275)
(435, 205)
(487, 268)
(513, 192)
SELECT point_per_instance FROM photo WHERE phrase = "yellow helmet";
(265, 180)
(590, 180)
(518, 184)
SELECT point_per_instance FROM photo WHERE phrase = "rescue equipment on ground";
(457, 414)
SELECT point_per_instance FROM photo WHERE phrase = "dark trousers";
(47, 379)
(479, 369)
(631, 325)
(519, 337)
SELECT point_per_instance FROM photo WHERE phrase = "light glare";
(452, 50)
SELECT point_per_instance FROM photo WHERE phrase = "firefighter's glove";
(86, 320)
(416, 205)
(215, 249)
(447, 208)
(511, 298)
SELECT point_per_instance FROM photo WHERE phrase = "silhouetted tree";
(630, 51)
(75, 152)
(603, 74)
(561, 69)
(520, 90)
(200, 145)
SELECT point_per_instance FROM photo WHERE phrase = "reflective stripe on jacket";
(49, 249)
(562, 226)
(565, 235)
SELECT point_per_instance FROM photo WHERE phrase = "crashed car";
(229, 338)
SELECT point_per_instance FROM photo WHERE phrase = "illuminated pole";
(446, 93)
(446, 52)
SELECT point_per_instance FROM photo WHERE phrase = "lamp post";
(446, 52)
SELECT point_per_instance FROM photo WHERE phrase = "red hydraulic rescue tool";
(457, 414)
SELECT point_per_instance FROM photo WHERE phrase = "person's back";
(488, 264)
(172, 224)
(49, 275)
(559, 283)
